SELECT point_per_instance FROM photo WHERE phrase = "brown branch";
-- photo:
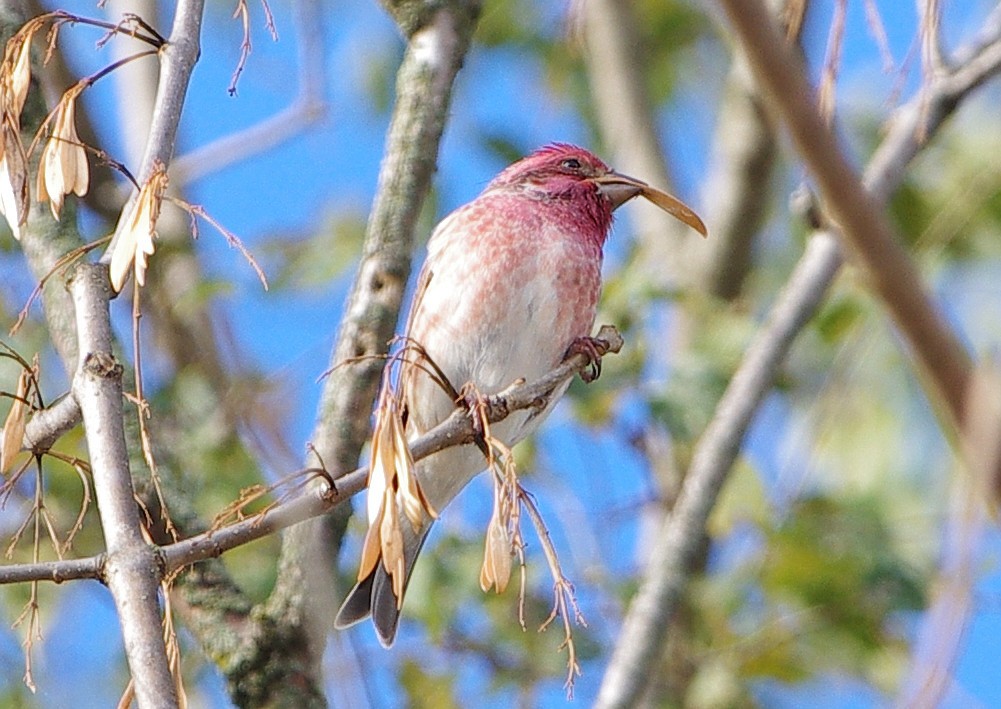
(941, 358)
(660, 592)
(457, 429)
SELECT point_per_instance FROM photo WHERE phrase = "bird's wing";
(444, 234)
(423, 281)
(440, 238)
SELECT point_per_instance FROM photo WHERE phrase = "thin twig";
(196, 211)
(564, 600)
(307, 108)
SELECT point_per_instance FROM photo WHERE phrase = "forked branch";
(456, 430)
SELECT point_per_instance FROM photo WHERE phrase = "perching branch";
(457, 429)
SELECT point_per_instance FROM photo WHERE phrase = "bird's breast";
(506, 297)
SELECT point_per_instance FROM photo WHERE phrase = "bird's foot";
(476, 403)
(593, 348)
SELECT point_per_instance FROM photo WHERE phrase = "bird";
(509, 288)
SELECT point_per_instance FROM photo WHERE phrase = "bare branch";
(660, 592)
(940, 356)
(677, 542)
(912, 125)
(47, 425)
(438, 36)
(435, 51)
(56, 571)
(456, 430)
(178, 59)
(132, 569)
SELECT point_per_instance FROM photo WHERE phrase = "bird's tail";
(374, 596)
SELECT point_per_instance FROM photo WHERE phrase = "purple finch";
(510, 285)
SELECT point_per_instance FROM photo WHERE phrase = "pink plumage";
(511, 281)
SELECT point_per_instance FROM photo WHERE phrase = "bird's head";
(567, 172)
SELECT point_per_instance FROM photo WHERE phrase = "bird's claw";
(476, 403)
(593, 348)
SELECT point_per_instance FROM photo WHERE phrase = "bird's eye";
(571, 164)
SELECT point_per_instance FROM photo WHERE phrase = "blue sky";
(289, 190)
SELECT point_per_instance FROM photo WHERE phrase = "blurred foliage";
(822, 548)
(316, 260)
(425, 689)
(552, 36)
(515, 658)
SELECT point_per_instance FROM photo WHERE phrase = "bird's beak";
(620, 189)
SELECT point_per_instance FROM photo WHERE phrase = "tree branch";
(47, 425)
(131, 569)
(667, 569)
(941, 358)
(177, 61)
(456, 430)
(135, 90)
(91, 567)
(438, 36)
(739, 181)
(308, 107)
(633, 658)
(435, 52)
